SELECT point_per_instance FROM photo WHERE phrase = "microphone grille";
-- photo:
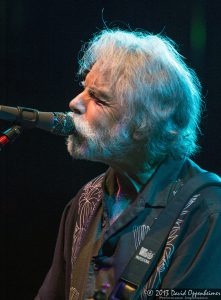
(63, 124)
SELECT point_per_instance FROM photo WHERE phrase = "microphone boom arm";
(55, 122)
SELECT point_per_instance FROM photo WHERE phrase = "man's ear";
(138, 134)
(139, 130)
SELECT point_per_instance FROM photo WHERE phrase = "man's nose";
(78, 105)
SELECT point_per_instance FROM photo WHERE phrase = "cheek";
(92, 113)
(98, 117)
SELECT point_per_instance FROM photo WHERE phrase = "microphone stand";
(10, 135)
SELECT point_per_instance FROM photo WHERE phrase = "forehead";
(98, 76)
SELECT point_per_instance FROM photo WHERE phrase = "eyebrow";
(100, 93)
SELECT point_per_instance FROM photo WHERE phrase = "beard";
(100, 144)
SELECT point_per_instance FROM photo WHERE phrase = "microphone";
(55, 122)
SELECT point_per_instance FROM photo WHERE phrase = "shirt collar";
(156, 192)
(115, 182)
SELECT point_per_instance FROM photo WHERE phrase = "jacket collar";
(157, 190)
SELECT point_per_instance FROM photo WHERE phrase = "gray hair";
(150, 77)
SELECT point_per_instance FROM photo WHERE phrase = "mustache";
(83, 128)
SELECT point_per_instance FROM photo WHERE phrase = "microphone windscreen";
(63, 124)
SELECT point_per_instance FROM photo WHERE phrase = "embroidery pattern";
(139, 234)
(88, 202)
(164, 262)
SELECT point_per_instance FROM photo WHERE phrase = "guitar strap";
(147, 255)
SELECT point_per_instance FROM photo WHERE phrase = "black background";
(40, 41)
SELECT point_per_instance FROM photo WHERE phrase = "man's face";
(101, 134)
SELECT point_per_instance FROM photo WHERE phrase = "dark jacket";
(191, 257)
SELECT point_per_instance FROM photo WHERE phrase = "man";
(139, 113)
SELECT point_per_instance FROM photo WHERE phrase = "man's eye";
(82, 84)
(97, 100)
